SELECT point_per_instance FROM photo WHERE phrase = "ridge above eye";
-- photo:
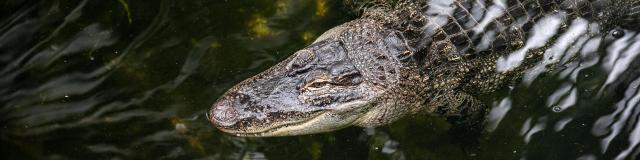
(302, 58)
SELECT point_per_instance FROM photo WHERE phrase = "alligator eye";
(318, 84)
(349, 79)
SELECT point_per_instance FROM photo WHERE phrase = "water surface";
(133, 80)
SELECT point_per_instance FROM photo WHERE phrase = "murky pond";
(121, 79)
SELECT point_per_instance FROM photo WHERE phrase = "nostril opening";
(243, 98)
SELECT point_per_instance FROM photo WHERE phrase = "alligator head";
(355, 74)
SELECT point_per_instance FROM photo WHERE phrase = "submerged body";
(407, 57)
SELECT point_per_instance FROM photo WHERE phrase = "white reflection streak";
(493, 12)
(561, 124)
(588, 55)
(477, 12)
(527, 130)
(634, 137)
(573, 50)
(497, 114)
(568, 101)
(555, 97)
(542, 31)
(440, 11)
(619, 56)
(577, 29)
(557, 52)
(613, 124)
(617, 60)
(563, 98)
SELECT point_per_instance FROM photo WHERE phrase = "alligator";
(404, 57)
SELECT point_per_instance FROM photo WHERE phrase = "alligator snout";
(223, 114)
(236, 111)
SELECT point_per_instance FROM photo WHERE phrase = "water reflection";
(542, 31)
(132, 80)
(622, 124)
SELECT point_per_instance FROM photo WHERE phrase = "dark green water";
(121, 79)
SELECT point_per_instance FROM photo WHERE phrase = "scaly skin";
(407, 57)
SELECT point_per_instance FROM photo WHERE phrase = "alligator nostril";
(242, 98)
(222, 114)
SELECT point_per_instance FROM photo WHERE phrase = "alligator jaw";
(269, 131)
(322, 121)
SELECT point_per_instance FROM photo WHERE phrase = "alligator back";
(477, 46)
(469, 48)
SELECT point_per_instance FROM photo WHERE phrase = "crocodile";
(404, 57)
